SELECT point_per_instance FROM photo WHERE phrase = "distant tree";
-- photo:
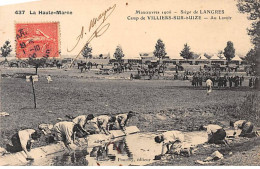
(100, 56)
(254, 32)
(36, 63)
(220, 54)
(6, 49)
(159, 51)
(229, 51)
(252, 59)
(251, 56)
(87, 51)
(252, 7)
(119, 54)
(186, 53)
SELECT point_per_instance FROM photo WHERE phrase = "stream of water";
(135, 149)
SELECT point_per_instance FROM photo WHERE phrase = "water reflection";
(122, 148)
(136, 149)
(101, 153)
(130, 150)
(71, 158)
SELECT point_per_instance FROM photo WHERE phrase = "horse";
(59, 65)
(94, 64)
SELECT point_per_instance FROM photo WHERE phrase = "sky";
(203, 36)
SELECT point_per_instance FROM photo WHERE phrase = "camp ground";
(129, 83)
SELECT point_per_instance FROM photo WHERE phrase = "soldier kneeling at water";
(82, 122)
(216, 134)
(243, 128)
(22, 141)
(66, 131)
(122, 120)
(102, 123)
(172, 140)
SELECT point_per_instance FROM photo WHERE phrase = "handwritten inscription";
(101, 27)
(104, 15)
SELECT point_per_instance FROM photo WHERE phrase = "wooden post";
(34, 97)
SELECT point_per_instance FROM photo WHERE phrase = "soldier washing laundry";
(122, 120)
(45, 128)
(82, 121)
(103, 122)
(22, 141)
(171, 140)
(216, 134)
(242, 128)
(66, 131)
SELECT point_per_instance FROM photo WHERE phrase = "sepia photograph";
(129, 83)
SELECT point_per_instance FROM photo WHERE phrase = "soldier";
(225, 81)
(209, 86)
(122, 119)
(49, 79)
(22, 141)
(219, 82)
(230, 79)
(256, 85)
(200, 80)
(170, 140)
(240, 80)
(66, 132)
(216, 134)
(82, 121)
(242, 128)
(236, 80)
(193, 81)
(196, 80)
(103, 122)
(250, 82)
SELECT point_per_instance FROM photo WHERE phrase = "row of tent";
(215, 57)
(199, 56)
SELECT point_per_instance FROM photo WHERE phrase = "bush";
(250, 109)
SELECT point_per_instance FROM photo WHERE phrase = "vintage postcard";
(129, 83)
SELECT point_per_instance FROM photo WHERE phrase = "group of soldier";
(231, 81)
(254, 82)
(173, 140)
(68, 132)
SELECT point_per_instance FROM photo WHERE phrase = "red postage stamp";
(37, 40)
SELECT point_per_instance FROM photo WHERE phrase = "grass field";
(161, 104)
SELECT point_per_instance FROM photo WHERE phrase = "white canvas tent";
(215, 57)
(177, 57)
(237, 58)
(222, 56)
(202, 57)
